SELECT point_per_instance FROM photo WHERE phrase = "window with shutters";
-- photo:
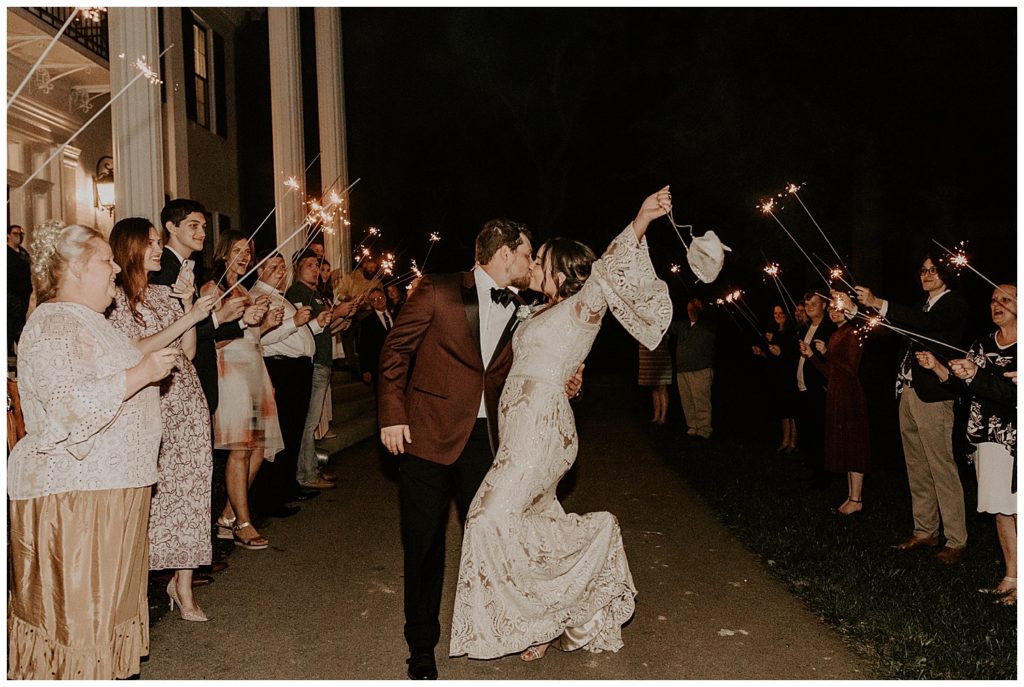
(201, 68)
(205, 75)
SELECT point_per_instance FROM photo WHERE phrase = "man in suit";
(810, 385)
(372, 331)
(440, 415)
(926, 411)
(183, 224)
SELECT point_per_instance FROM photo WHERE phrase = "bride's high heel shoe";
(195, 616)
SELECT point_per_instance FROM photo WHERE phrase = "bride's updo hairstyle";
(571, 258)
(54, 247)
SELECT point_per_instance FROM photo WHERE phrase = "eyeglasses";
(929, 270)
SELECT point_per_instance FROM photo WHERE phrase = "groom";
(441, 415)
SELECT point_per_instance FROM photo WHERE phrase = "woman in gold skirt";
(80, 480)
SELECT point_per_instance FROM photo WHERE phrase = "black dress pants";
(425, 490)
(293, 383)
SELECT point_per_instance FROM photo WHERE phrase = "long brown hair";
(222, 252)
(129, 240)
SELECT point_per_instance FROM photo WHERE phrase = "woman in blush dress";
(245, 422)
(847, 441)
(80, 480)
(153, 317)
(532, 574)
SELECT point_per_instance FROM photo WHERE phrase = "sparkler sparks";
(147, 71)
(772, 270)
(836, 273)
(767, 206)
(434, 237)
(92, 14)
(292, 183)
(674, 269)
(792, 188)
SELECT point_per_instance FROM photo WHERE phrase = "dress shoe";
(305, 494)
(422, 667)
(917, 542)
(284, 511)
(950, 556)
(318, 483)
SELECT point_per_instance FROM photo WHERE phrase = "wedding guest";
(80, 481)
(991, 424)
(926, 412)
(782, 355)
(19, 284)
(396, 298)
(154, 317)
(656, 373)
(695, 360)
(324, 285)
(810, 385)
(245, 423)
(288, 352)
(303, 291)
(800, 317)
(847, 443)
(372, 332)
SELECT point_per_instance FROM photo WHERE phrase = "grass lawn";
(915, 618)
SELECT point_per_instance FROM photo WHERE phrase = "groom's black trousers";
(425, 490)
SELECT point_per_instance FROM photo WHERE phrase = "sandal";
(535, 653)
(840, 511)
(252, 543)
(997, 589)
(1008, 599)
(224, 528)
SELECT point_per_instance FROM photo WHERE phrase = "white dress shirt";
(493, 318)
(286, 340)
(808, 337)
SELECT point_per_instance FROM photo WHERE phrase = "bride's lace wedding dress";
(530, 571)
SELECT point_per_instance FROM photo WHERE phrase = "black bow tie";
(502, 297)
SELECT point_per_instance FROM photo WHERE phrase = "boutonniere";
(525, 312)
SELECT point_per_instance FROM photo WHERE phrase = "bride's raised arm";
(624, 280)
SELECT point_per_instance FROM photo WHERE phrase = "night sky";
(902, 124)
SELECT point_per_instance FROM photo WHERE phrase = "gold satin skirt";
(77, 602)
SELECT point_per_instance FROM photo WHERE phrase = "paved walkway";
(325, 601)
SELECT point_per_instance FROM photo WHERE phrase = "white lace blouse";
(81, 435)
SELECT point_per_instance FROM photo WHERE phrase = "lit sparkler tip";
(674, 269)
(835, 273)
(719, 301)
(366, 252)
(91, 13)
(147, 71)
(793, 188)
(434, 237)
(373, 231)
(292, 183)
(335, 198)
(767, 206)
(772, 270)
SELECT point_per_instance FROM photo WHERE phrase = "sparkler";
(959, 261)
(734, 298)
(434, 238)
(270, 255)
(768, 208)
(792, 189)
(875, 321)
(144, 71)
(772, 270)
(834, 273)
(91, 13)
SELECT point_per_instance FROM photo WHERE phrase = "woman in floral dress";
(153, 317)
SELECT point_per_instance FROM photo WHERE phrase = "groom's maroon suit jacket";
(431, 372)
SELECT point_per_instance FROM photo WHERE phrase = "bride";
(531, 574)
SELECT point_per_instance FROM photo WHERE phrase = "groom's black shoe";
(422, 666)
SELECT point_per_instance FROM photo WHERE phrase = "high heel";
(253, 543)
(225, 528)
(195, 616)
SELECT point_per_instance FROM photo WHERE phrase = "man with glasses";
(19, 284)
(926, 410)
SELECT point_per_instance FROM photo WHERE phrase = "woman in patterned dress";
(245, 422)
(80, 480)
(992, 425)
(532, 574)
(153, 317)
(655, 372)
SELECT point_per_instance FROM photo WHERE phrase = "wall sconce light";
(105, 184)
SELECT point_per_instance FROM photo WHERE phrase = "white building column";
(330, 85)
(135, 115)
(286, 123)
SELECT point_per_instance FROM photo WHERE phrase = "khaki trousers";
(935, 491)
(695, 394)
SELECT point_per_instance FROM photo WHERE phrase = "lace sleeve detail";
(624, 281)
(79, 399)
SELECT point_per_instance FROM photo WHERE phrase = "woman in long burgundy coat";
(847, 443)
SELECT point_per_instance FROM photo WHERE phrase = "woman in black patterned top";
(991, 425)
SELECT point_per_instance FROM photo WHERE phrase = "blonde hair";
(54, 247)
